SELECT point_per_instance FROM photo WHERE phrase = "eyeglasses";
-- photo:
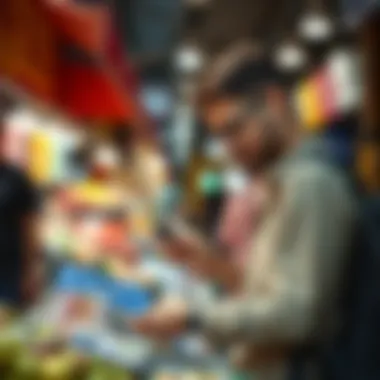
(233, 126)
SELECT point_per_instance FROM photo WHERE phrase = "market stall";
(86, 222)
(107, 272)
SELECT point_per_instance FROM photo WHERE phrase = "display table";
(81, 329)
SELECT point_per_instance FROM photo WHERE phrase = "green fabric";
(210, 183)
(242, 376)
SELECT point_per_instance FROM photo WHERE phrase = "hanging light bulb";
(189, 59)
(316, 27)
(290, 57)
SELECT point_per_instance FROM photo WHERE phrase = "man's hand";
(165, 321)
(204, 263)
(190, 249)
(175, 250)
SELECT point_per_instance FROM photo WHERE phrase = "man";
(20, 268)
(292, 280)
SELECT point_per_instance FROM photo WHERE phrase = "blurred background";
(97, 108)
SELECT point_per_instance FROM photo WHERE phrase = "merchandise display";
(109, 272)
(41, 144)
(88, 312)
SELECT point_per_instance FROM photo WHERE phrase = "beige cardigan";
(293, 275)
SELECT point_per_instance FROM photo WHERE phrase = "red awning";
(115, 56)
(90, 92)
(83, 25)
(28, 47)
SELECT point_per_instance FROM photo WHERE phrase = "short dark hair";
(243, 77)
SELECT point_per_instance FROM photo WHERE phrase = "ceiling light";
(290, 57)
(316, 27)
(189, 59)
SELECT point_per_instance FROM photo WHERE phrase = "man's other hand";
(167, 320)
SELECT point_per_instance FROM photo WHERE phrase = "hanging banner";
(334, 90)
(27, 47)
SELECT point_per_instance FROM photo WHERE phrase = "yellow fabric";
(95, 193)
(308, 102)
(41, 157)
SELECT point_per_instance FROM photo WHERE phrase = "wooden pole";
(368, 154)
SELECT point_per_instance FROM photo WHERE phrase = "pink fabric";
(239, 218)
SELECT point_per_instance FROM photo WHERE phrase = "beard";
(267, 153)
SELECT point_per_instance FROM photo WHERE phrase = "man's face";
(249, 138)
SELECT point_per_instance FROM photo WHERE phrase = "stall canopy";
(99, 82)
(99, 87)
(83, 25)
(36, 34)
(28, 47)
(92, 92)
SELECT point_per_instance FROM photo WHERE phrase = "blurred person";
(293, 277)
(20, 264)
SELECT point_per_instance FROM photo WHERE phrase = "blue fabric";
(342, 150)
(129, 298)
(81, 279)
(340, 138)
(125, 297)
